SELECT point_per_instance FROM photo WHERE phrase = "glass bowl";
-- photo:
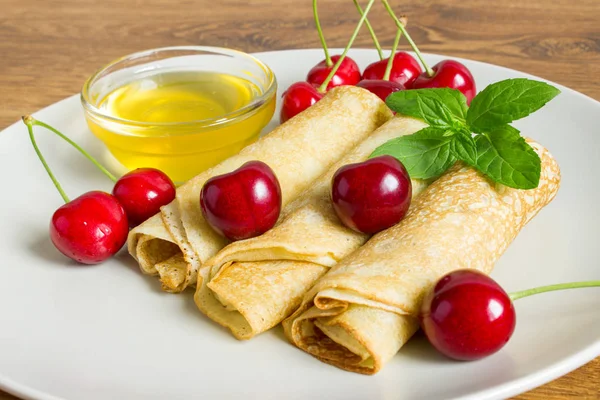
(181, 149)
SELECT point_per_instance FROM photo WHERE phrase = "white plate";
(107, 332)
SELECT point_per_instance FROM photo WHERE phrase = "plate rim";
(514, 387)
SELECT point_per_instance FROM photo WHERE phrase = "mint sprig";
(505, 155)
(508, 101)
(480, 135)
(441, 108)
(426, 154)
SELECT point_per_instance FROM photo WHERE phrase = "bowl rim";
(269, 92)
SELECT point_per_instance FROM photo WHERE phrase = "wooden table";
(48, 48)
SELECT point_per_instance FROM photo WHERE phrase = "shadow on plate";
(41, 246)
(419, 349)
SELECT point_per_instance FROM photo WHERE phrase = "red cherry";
(243, 203)
(297, 98)
(467, 315)
(380, 88)
(142, 192)
(372, 195)
(347, 74)
(405, 69)
(450, 74)
(90, 228)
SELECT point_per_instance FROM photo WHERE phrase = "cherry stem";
(348, 46)
(408, 38)
(321, 36)
(29, 121)
(371, 31)
(390, 63)
(550, 288)
(87, 155)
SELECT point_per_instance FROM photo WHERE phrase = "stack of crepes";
(174, 243)
(252, 285)
(365, 308)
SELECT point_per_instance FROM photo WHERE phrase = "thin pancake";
(461, 221)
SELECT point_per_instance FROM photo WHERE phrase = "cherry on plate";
(91, 228)
(297, 98)
(405, 69)
(347, 74)
(372, 195)
(142, 192)
(243, 203)
(467, 315)
(448, 74)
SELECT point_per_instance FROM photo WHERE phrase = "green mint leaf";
(425, 154)
(505, 157)
(464, 148)
(444, 108)
(503, 102)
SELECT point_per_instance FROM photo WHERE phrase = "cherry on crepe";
(297, 98)
(405, 69)
(380, 87)
(467, 315)
(372, 195)
(142, 192)
(448, 74)
(348, 73)
(243, 203)
(91, 228)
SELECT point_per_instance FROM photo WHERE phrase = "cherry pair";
(94, 226)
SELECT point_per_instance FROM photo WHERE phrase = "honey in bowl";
(180, 118)
(179, 97)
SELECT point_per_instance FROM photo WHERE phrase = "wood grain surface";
(48, 48)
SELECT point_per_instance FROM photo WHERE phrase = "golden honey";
(181, 122)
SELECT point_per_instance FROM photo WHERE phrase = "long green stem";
(320, 32)
(371, 31)
(388, 68)
(87, 155)
(29, 121)
(348, 46)
(562, 286)
(408, 38)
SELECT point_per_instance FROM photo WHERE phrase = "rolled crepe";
(252, 285)
(174, 243)
(365, 308)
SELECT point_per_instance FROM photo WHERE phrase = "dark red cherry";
(297, 98)
(142, 192)
(243, 203)
(347, 74)
(405, 69)
(380, 88)
(90, 228)
(448, 74)
(372, 195)
(467, 315)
